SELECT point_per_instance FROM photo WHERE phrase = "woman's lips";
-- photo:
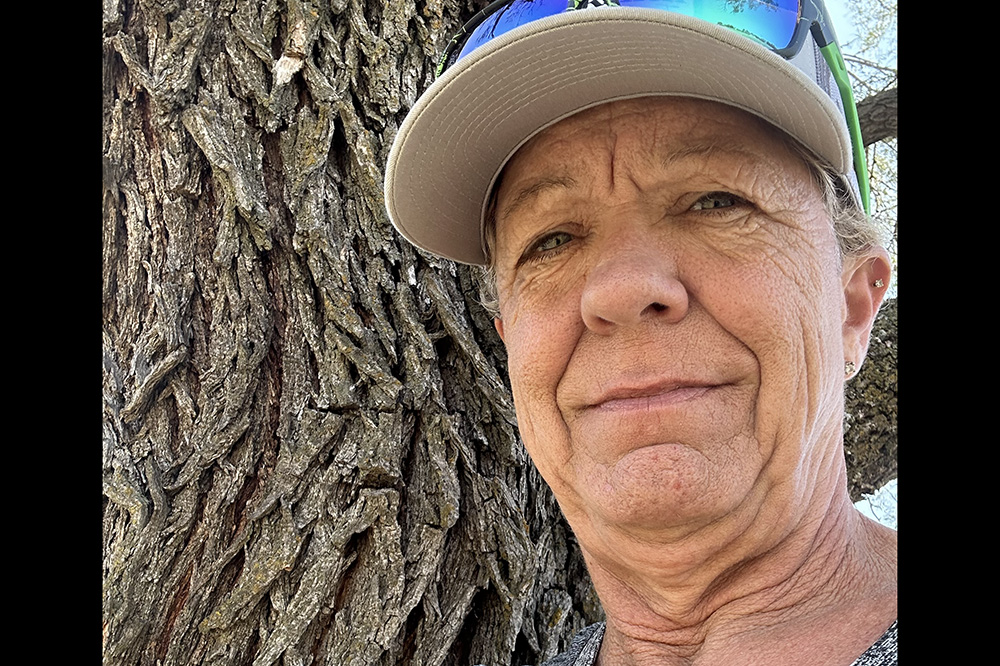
(645, 398)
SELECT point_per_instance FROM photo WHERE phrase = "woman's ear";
(866, 280)
(498, 324)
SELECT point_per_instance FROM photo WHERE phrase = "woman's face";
(673, 308)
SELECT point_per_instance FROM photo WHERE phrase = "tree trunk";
(310, 451)
(870, 411)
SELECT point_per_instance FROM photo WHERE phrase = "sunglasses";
(781, 26)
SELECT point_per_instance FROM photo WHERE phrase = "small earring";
(878, 283)
(848, 368)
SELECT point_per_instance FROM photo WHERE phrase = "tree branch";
(877, 115)
(870, 64)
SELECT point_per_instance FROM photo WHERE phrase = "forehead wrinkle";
(533, 189)
(707, 149)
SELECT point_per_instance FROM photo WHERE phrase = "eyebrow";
(528, 192)
(706, 149)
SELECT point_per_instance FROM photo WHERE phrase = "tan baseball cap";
(461, 132)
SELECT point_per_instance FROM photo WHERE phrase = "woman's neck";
(827, 586)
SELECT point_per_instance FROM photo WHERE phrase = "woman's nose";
(633, 283)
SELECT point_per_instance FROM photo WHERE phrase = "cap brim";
(460, 133)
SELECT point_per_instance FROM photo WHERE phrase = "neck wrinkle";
(819, 565)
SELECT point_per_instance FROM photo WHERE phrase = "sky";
(842, 23)
(880, 506)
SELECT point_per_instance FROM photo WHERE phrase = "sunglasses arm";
(831, 52)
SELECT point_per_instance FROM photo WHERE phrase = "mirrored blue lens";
(770, 22)
(512, 16)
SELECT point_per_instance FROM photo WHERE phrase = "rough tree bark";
(878, 116)
(870, 441)
(310, 452)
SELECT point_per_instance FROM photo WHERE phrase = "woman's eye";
(714, 200)
(553, 241)
(545, 247)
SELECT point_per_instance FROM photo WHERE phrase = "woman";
(683, 287)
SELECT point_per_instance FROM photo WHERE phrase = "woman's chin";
(662, 489)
